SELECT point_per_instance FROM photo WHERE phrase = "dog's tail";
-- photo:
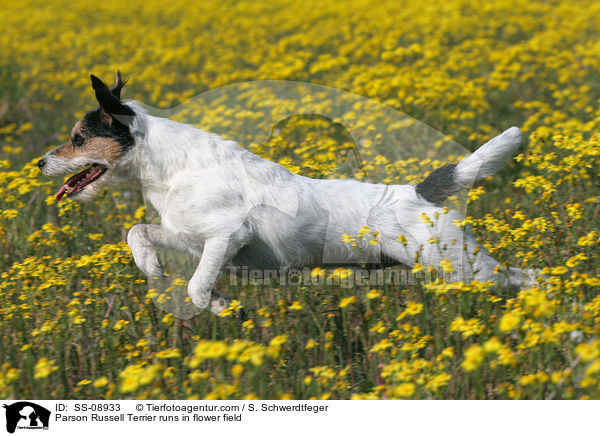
(485, 161)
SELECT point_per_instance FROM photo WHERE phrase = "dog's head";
(97, 147)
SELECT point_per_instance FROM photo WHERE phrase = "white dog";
(226, 205)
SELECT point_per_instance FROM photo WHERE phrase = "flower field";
(78, 320)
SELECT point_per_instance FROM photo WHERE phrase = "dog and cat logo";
(26, 415)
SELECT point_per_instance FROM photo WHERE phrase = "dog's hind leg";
(450, 244)
(485, 268)
(141, 239)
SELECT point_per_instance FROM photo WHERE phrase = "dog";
(227, 206)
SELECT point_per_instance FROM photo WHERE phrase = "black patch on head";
(94, 124)
(108, 121)
(438, 185)
(110, 100)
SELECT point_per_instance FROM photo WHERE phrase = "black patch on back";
(438, 185)
(92, 125)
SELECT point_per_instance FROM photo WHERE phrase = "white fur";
(225, 205)
(488, 159)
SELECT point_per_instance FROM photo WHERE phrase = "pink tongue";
(61, 192)
(80, 180)
(71, 183)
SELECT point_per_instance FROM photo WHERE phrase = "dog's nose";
(41, 163)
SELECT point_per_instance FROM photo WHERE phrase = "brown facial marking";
(107, 148)
(98, 148)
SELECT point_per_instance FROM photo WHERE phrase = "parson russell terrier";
(226, 206)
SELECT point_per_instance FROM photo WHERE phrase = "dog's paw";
(143, 253)
(151, 266)
(200, 302)
(200, 299)
(147, 261)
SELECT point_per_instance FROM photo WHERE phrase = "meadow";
(78, 320)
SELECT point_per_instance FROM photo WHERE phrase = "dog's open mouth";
(80, 180)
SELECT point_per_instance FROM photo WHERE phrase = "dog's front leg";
(215, 255)
(141, 239)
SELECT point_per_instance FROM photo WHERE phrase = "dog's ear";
(119, 84)
(109, 102)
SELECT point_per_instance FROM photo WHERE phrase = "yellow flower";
(417, 268)
(438, 381)
(234, 307)
(404, 390)
(198, 376)
(402, 239)
(373, 293)
(347, 301)
(446, 266)
(311, 343)
(379, 327)
(588, 352)
(215, 350)
(448, 352)
(139, 213)
(44, 367)
(129, 385)
(237, 370)
(346, 238)
(278, 340)
(317, 272)
(589, 239)
(556, 377)
(79, 320)
(492, 345)
(537, 301)
(100, 382)
(168, 319)
(296, 305)
(468, 328)
(474, 355)
(9, 213)
(168, 353)
(509, 321)
(119, 325)
(9, 376)
(593, 368)
(425, 219)
(575, 210)
(381, 346)
(413, 308)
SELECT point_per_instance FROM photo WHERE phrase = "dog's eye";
(77, 140)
